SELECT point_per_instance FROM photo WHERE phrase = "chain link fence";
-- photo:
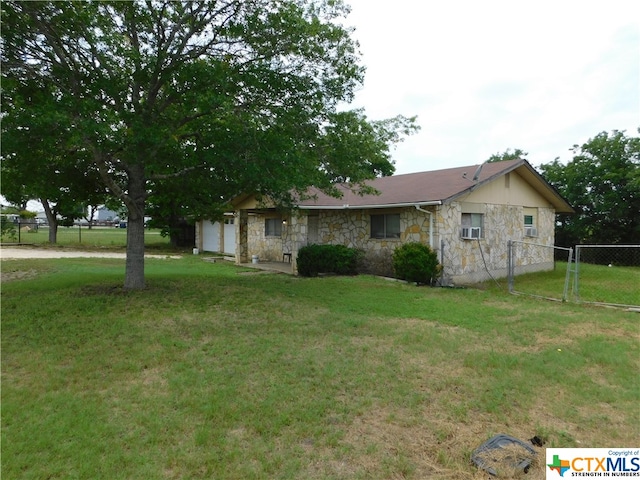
(31, 232)
(607, 275)
(548, 270)
(114, 235)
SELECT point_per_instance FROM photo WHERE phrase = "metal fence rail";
(114, 235)
(607, 275)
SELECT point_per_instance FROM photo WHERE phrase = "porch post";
(298, 237)
(242, 236)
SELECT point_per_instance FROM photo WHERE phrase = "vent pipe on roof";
(476, 175)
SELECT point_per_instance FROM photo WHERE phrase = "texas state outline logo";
(592, 462)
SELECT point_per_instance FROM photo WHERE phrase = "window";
(530, 229)
(385, 226)
(272, 227)
(472, 225)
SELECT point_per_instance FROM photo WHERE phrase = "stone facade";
(470, 261)
(464, 261)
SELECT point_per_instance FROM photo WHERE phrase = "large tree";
(602, 183)
(242, 92)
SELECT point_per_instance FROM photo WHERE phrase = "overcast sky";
(484, 76)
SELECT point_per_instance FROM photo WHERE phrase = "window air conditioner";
(471, 233)
(530, 232)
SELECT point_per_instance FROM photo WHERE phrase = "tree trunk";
(52, 220)
(134, 268)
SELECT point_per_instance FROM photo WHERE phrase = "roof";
(434, 187)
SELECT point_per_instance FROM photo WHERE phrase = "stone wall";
(352, 228)
(471, 261)
(464, 261)
(269, 249)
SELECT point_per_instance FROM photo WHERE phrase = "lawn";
(217, 371)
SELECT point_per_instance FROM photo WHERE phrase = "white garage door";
(210, 236)
(229, 236)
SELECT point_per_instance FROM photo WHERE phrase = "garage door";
(229, 236)
(210, 236)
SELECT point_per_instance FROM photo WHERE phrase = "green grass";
(85, 237)
(217, 372)
(596, 284)
(617, 285)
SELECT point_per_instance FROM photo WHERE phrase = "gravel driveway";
(15, 253)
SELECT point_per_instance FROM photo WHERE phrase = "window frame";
(273, 227)
(386, 224)
(530, 214)
(471, 220)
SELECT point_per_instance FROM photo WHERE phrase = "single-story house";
(466, 214)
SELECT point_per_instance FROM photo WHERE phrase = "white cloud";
(486, 76)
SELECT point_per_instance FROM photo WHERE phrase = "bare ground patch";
(12, 276)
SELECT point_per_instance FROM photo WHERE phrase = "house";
(466, 214)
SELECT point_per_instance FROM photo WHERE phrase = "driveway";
(15, 253)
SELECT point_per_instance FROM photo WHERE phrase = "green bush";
(8, 229)
(338, 259)
(416, 262)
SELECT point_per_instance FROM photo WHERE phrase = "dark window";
(385, 226)
(272, 227)
(528, 221)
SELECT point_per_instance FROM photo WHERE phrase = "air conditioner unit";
(530, 232)
(471, 233)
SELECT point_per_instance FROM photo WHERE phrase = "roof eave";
(558, 202)
(346, 206)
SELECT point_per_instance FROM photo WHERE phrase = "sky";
(485, 76)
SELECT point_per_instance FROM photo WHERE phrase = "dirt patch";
(18, 253)
(426, 447)
(17, 275)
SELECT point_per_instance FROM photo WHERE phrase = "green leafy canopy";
(235, 95)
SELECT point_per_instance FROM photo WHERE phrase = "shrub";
(315, 259)
(8, 229)
(377, 262)
(416, 262)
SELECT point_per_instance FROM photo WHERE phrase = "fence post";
(510, 266)
(567, 276)
(19, 231)
(576, 288)
(442, 263)
(79, 233)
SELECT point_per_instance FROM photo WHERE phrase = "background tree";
(516, 154)
(602, 183)
(38, 163)
(245, 92)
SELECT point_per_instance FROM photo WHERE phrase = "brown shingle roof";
(438, 186)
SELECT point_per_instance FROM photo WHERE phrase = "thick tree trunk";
(134, 268)
(51, 220)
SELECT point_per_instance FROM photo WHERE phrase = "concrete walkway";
(281, 267)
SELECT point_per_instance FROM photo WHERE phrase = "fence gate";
(526, 257)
